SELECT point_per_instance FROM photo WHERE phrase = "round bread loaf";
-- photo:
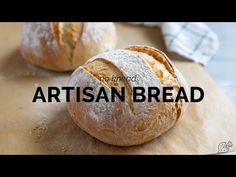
(126, 123)
(62, 46)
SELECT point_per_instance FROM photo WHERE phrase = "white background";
(222, 67)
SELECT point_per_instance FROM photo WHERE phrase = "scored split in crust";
(158, 62)
(114, 122)
(68, 35)
(161, 57)
(101, 68)
(63, 46)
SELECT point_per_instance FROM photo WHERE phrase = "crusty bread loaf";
(126, 123)
(62, 46)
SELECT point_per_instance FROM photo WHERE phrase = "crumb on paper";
(39, 129)
(63, 149)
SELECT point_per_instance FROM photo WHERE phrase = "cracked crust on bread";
(114, 122)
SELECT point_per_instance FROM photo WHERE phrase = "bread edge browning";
(162, 57)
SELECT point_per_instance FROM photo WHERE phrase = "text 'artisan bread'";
(126, 123)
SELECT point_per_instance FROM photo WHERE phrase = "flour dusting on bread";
(125, 123)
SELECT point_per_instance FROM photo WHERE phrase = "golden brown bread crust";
(62, 46)
(177, 79)
(102, 68)
(126, 123)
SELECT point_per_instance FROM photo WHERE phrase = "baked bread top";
(127, 123)
(63, 46)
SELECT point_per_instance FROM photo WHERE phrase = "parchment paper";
(39, 128)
